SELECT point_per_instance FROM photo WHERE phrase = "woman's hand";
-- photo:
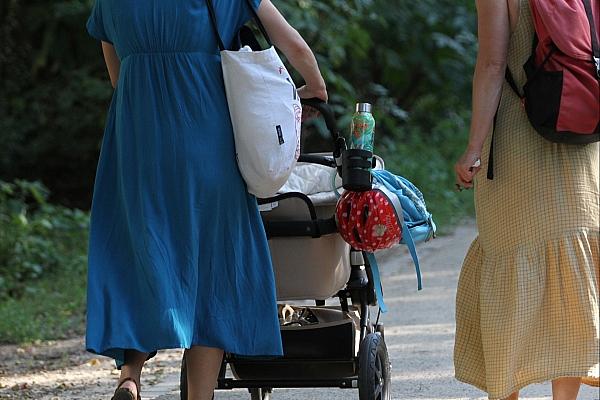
(306, 92)
(467, 167)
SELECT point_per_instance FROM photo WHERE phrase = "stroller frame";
(369, 369)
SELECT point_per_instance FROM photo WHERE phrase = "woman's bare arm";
(293, 46)
(113, 64)
(493, 36)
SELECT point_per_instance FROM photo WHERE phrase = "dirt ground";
(64, 370)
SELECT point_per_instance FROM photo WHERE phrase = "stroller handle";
(327, 114)
(339, 143)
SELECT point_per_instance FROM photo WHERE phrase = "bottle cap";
(363, 107)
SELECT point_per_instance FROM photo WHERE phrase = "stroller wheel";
(374, 369)
(260, 393)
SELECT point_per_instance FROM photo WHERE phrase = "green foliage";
(54, 308)
(36, 238)
(42, 265)
(53, 96)
(413, 60)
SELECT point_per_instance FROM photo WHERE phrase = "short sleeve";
(255, 3)
(247, 13)
(95, 25)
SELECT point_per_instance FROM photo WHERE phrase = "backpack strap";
(410, 243)
(490, 168)
(595, 46)
(406, 234)
(509, 78)
(376, 281)
(511, 82)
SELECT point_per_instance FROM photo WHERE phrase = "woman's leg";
(203, 365)
(565, 388)
(134, 361)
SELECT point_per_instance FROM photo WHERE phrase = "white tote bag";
(265, 112)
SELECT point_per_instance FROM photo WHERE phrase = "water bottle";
(362, 128)
(357, 161)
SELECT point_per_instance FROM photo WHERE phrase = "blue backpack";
(417, 222)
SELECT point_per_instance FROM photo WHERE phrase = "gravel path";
(419, 334)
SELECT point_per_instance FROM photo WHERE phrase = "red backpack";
(562, 92)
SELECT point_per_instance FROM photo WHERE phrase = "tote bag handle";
(213, 19)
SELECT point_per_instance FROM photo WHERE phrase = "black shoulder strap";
(213, 20)
(490, 168)
(259, 23)
(511, 82)
(593, 32)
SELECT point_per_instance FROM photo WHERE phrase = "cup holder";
(356, 170)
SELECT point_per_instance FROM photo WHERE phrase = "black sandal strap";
(137, 386)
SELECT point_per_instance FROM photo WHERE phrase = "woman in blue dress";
(178, 256)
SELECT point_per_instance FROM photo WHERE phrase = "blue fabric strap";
(408, 239)
(376, 281)
(383, 177)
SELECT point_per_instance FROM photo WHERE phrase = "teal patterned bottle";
(363, 128)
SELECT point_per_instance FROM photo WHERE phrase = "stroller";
(324, 346)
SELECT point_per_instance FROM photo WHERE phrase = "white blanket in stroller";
(318, 182)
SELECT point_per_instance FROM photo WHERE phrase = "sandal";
(126, 394)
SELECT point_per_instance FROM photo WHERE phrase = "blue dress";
(178, 255)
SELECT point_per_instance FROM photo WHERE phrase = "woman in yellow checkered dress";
(527, 301)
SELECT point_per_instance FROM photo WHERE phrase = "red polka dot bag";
(369, 220)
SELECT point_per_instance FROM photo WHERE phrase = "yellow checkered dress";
(527, 301)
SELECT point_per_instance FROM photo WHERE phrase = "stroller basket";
(325, 349)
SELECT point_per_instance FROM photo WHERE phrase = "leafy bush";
(36, 238)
